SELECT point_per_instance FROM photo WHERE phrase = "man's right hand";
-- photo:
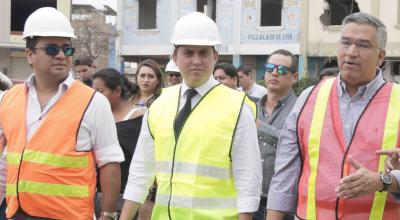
(392, 160)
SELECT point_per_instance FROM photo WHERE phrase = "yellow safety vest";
(194, 173)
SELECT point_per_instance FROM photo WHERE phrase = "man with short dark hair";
(226, 74)
(249, 86)
(273, 109)
(199, 141)
(84, 68)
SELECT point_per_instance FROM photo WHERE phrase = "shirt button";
(259, 137)
(265, 144)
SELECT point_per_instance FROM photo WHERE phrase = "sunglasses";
(174, 74)
(53, 50)
(281, 69)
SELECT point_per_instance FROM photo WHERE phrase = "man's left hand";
(362, 182)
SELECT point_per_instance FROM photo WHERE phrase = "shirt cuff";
(396, 174)
(247, 204)
(110, 154)
(135, 194)
(282, 202)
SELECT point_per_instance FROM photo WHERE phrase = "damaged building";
(250, 29)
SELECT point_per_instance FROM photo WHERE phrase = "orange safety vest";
(46, 177)
(325, 154)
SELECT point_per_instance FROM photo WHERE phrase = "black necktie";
(184, 113)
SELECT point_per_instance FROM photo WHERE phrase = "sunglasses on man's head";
(174, 74)
(281, 69)
(53, 50)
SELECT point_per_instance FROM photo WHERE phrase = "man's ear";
(295, 77)
(29, 55)
(381, 57)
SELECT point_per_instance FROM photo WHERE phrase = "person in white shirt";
(63, 169)
(248, 85)
(183, 157)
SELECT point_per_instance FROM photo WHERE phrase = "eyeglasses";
(281, 69)
(53, 50)
(361, 45)
(174, 75)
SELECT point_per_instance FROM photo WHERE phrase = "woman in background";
(149, 79)
(128, 118)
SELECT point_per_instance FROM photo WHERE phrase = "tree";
(93, 35)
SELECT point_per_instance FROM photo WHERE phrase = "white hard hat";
(48, 22)
(196, 28)
(171, 67)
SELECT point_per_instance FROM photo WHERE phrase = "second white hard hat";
(48, 22)
(171, 67)
(196, 28)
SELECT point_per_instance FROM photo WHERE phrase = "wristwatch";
(112, 215)
(387, 180)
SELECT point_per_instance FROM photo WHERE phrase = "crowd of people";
(211, 144)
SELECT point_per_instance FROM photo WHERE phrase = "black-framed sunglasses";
(281, 69)
(53, 50)
(174, 74)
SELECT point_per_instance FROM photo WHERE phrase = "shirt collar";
(66, 84)
(281, 102)
(365, 90)
(203, 88)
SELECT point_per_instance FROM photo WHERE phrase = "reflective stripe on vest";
(389, 141)
(314, 143)
(197, 202)
(48, 159)
(47, 189)
(193, 169)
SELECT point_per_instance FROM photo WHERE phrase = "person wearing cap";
(173, 73)
(84, 68)
(200, 139)
(56, 130)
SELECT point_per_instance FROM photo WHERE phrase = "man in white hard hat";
(173, 73)
(200, 139)
(56, 130)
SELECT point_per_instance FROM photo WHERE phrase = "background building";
(250, 29)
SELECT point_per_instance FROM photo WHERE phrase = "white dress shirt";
(246, 160)
(257, 91)
(97, 131)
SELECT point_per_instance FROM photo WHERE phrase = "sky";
(98, 3)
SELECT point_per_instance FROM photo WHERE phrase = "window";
(396, 68)
(271, 13)
(207, 7)
(21, 9)
(336, 10)
(147, 14)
